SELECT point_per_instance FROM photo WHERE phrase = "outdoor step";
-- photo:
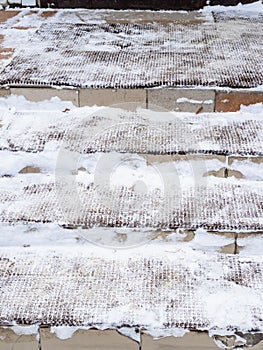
(144, 132)
(142, 55)
(181, 288)
(27, 235)
(215, 205)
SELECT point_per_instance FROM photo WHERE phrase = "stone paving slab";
(181, 100)
(64, 287)
(195, 341)
(217, 206)
(9, 340)
(141, 55)
(93, 339)
(232, 100)
(200, 341)
(38, 94)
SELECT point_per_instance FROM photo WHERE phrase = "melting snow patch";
(187, 100)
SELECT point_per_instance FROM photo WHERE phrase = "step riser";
(112, 340)
(130, 99)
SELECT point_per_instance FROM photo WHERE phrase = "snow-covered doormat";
(217, 205)
(146, 132)
(221, 53)
(156, 287)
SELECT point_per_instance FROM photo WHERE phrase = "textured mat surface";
(71, 288)
(142, 132)
(221, 206)
(145, 55)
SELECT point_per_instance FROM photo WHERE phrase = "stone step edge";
(45, 338)
(181, 99)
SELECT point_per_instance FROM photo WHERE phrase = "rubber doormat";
(113, 130)
(217, 206)
(72, 289)
(138, 56)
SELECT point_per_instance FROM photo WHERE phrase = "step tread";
(218, 205)
(145, 132)
(72, 288)
(141, 55)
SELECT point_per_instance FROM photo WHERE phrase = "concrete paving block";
(36, 94)
(231, 101)
(181, 100)
(217, 173)
(12, 341)
(4, 92)
(191, 341)
(164, 158)
(127, 98)
(235, 173)
(147, 17)
(256, 160)
(5, 15)
(87, 340)
(223, 242)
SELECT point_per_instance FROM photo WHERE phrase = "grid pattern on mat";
(221, 53)
(221, 206)
(113, 130)
(57, 288)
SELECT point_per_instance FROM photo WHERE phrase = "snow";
(250, 244)
(131, 333)
(250, 169)
(187, 100)
(25, 330)
(64, 332)
(28, 2)
(228, 314)
(252, 9)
